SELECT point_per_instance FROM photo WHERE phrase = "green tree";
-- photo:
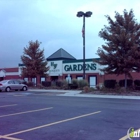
(34, 60)
(121, 52)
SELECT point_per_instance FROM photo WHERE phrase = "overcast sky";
(54, 23)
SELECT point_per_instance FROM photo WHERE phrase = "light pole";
(82, 14)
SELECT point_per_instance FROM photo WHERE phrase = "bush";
(30, 84)
(110, 83)
(74, 84)
(82, 83)
(64, 84)
(122, 83)
(86, 89)
(40, 86)
(53, 83)
(46, 83)
(137, 84)
(59, 83)
(91, 89)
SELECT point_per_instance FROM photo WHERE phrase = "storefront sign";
(55, 68)
(79, 67)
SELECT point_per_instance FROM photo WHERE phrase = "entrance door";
(54, 78)
(92, 81)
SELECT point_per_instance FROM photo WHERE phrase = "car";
(8, 85)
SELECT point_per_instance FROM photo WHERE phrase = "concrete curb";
(76, 93)
(103, 96)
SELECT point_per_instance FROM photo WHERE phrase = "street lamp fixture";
(82, 14)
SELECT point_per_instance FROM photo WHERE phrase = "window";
(79, 78)
(11, 82)
(16, 82)
(26, 79)
(34, 80)
(42, 79)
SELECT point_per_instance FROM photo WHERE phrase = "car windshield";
(4, 81)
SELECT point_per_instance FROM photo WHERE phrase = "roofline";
(57, 51)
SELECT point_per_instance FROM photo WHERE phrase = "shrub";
(53, 83)
(82, 83)
(59, 83)
(30, 84)
(64, 84)
(91, 89)
(137, 82)
(40, 86)
(74, 84)
(46, 83)
(97, 87)
(122, 83)
(110, 83)
(86, 89)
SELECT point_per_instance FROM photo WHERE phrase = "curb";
(77, 93)
(102, 96)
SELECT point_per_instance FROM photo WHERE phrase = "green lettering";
(90, 67)
(74, 67)
(66, 68)
(80, 67)
(87, 66)
(70, 68)
(94, 66)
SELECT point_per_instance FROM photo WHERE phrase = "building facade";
(63, 65)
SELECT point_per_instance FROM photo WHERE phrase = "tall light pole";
(82, 14)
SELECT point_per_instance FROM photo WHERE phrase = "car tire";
(24, 88)
(8, 89)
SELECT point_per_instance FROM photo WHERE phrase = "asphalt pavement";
(53, 115)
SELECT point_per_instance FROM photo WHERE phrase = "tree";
(121, 52)
(34, 60)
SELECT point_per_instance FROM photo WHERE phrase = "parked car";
(8, 85)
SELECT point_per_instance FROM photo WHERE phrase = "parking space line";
(8, 105)
(19, 95)
(124, 138)
(25, 112)
(54, 123)
(9, 138)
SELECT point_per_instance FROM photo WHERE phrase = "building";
(63, 65)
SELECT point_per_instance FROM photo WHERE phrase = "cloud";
(54, 23)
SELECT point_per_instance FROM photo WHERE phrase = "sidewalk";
(76, 93)
(67, 92)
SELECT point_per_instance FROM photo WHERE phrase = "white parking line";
(9, 138)
(25, 112)
(54, 123)
(8, 105)
(19, 95)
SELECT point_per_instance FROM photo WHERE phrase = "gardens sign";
(78, 67)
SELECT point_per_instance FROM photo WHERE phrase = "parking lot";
(42, 116)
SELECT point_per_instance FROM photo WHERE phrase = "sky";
(54, 23)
